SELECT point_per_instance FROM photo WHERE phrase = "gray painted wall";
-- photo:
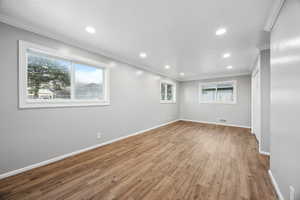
(285, 98)
(34, 135)
(265, 99)
(238, 114)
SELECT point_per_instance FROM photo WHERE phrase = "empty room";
(149, 100)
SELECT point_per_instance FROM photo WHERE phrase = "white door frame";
(256, 104)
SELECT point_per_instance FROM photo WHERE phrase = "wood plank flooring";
(183, 160)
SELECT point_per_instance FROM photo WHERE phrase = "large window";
(48, 79)
(167, 92)
(218, 92)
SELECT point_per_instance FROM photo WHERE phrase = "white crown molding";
(66, 40)
(196, 78)
(274, 13)
(106, 55)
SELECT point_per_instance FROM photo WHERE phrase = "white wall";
(237, 114)
(30, 136)
(265, 99)
(261, 114)
(285, 99)
(256, 100)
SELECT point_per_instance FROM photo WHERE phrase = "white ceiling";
(174, 32)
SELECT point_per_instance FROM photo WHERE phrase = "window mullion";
(166, 92)
(104, 84)
(72, 81)
(216, 94)
(172, 93)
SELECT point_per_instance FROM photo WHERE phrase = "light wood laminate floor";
(183, 160)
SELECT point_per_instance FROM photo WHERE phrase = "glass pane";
(208, 93)
(225, 93)
(169, 92)
(88, 82)
(48, 77)
(162, 91)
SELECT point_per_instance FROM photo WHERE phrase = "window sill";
(168, 102)
(62, 104)
(208, 102)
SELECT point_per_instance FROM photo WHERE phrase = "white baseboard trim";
(55, 159)
(215, 123)
(279, 194)
(264, 153)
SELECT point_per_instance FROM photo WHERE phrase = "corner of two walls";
(261, 117)
(66, 125)
(31, 136)
(238, 114)
(265, 70)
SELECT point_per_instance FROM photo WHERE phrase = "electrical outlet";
(292, 193)
(99, 135)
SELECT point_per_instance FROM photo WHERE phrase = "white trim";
(233, 82)
(256, 101)
(264, 153)
(279, 194)
(174, 88)
(66, 40)
(55, 159)
(197, 78)
(24, 102)
(255, 61)
(274, 13)
(214, 123)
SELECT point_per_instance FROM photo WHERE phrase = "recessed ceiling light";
(181, 74)
(143, 55)
(90, 29)
(167, 66)
(139, 72)
(229, 67)
(221, 31)
(226, 55)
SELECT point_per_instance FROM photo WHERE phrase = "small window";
(220, 92)
(168, 92)
(50, 80)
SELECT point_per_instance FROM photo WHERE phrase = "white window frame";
(233, 82)
(173, 91)
(24, 102)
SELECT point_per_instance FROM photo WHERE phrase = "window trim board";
(23, 77)
(233, 82)
(174, 92)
